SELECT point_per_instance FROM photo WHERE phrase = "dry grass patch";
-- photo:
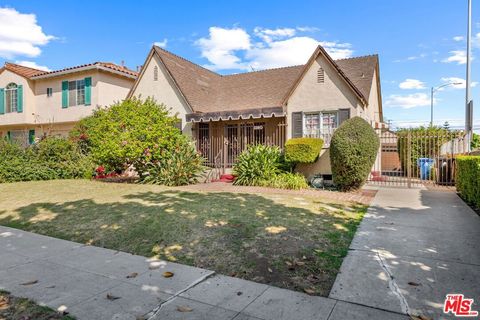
(283, 240)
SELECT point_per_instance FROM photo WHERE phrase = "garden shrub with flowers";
(142, 134)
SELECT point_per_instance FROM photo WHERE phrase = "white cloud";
(161, 44)
(220, 47)
(32, 64)
(408, 101)
(265, 48)
(458, 56)
(20, 35)
(460, 82)
(273, 34)
(458, 38)
(412, 84)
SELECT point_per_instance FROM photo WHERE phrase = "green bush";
(36, 163)
(116, 137)
(64, 157)
(467, 178)
(181, 165)
(303, 150)
(257, 163)
(286, 180)
(353, 150)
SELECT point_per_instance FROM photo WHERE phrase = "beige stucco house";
(34, 103)
(225, 113)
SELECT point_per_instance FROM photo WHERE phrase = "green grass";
(13, 308)
(290, 241)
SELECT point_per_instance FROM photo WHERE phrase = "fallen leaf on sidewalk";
(132, 275)
(184, 309)
(420, 317)
(309, 291)
(29, 283)
(167, 274)
(112, 297)
(415, 284)
(239, 293)
(270, 270)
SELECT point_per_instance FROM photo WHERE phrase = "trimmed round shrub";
(257, 163)
(303, 150)
(353, 151)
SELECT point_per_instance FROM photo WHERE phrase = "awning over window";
(236, 115)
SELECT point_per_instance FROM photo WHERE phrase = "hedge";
(353, 151)
(467, 179)
(303, 150)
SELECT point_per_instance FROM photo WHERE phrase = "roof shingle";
(207, 91)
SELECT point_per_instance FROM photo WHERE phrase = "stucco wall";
(7, 77)
(163, 91)
(106, 89)
(333, 94)
(373, 110)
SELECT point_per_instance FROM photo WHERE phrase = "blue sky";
(420, 43)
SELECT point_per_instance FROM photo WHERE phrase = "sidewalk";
(96, 283)
(412, 248)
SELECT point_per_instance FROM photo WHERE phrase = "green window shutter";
(2, 101)
(88, 91)
(8, 135)
(64, 94)
(31, 136)
(20, 99)
(297, 124)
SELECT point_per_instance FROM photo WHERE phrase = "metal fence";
(415, 158)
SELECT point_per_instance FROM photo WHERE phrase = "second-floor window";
(76, 93)
(11, 98)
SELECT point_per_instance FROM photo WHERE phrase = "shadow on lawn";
(245, 235)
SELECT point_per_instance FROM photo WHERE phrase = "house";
(225, 113)
(34, 103)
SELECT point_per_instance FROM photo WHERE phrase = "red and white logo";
(459, 306)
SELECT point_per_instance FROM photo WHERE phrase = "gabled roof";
(31, 73)
(208, 92)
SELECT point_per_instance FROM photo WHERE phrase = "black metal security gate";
(417, 158)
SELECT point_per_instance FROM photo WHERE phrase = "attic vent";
(320, 76)
(155, 73)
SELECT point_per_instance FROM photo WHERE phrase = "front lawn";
(13, 308)
(286, 240)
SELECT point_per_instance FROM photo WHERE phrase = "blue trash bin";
(425, 165)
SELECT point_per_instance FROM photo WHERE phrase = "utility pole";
(468, 99)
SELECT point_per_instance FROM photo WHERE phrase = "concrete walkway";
(94, 283)
(413, 247)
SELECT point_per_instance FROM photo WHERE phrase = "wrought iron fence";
(415, 158)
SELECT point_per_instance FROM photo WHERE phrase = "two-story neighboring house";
(34, 103)
(225, 113)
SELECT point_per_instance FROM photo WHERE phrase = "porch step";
(225, 178)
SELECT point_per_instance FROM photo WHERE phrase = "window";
(11, 98)
(49, 92)
(320, 75)
(155, 73)
(320, 124)
(76, 93)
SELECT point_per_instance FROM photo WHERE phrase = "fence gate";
(413, 158)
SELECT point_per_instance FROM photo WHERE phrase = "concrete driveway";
(413, 247)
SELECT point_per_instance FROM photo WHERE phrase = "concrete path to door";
(93, 283)
(413, 247)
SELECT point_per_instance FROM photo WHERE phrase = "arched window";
(11, 98)
(155, 73)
